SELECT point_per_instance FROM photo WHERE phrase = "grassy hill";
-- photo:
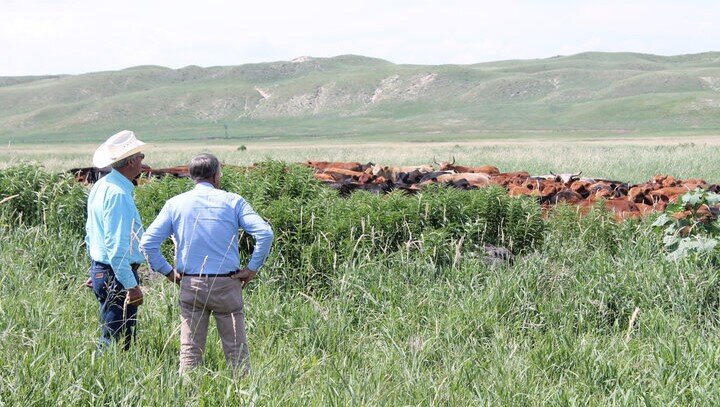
(357, 97)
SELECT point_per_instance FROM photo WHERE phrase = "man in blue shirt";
(205, 222)
(113, 232)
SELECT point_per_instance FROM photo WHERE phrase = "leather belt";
(232, 273)
(133, 266)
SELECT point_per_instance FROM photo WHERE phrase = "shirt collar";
(204, 184)
(121, 180)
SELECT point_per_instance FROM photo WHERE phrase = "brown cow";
(510, 178)
(525, 189)
(321, 165)
(341, 174)
(600, 190)
(692, 183)
(582, 187)
(321, 176)
(640, 194)
(668, 194)
(622, 208)
(450, 166)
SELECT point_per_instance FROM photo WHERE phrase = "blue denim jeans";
(117, 320)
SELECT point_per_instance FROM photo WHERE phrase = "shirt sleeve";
(259, 229)
(120, 229)
(159, 230)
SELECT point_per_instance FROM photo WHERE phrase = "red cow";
(447, 166)
(321, 165)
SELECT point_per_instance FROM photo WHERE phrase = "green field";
(362, 99)
(631, 159)
(377, 300)
(380, 300)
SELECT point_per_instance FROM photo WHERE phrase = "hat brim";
(102, 158)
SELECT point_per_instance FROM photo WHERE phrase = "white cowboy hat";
(118, 146)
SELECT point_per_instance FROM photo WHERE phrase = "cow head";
(566, 178)
(444, 165)
(380, 170)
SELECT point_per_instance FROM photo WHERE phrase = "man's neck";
(207, 181)
(127, 173)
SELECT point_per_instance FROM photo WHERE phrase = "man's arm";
(246, 275)
(159, 230)
(259, 229)
(119, 225)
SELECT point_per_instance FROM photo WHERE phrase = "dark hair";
(203, 167)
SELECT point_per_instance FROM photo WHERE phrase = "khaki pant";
(221, 296)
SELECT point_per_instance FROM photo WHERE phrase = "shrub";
(150, 197)
(595, 231)
(41, 198)
(315, 228)
(691, 225)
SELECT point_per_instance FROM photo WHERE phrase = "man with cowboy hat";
(113, 232)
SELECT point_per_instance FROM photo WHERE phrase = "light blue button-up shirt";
(113, 228)
(205, 222)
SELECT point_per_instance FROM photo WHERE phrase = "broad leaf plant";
(690, 225)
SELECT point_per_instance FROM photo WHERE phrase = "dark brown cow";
(394, 173)
(474, 179)
(181, 171)
(566, 195)
(88, 175)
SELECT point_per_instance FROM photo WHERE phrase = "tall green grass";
(381, 301)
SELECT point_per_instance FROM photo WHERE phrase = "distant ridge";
(360, 97)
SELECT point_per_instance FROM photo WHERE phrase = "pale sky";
(77, 36)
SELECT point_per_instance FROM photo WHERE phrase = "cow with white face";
(562, 178)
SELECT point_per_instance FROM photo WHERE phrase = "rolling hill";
(356, 97)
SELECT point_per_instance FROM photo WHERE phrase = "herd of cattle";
(625, 200)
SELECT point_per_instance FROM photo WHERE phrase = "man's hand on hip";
(174, 277)
(134, 296)
(245, 275)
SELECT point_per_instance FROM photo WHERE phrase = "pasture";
(380, 300)
(627, 159)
